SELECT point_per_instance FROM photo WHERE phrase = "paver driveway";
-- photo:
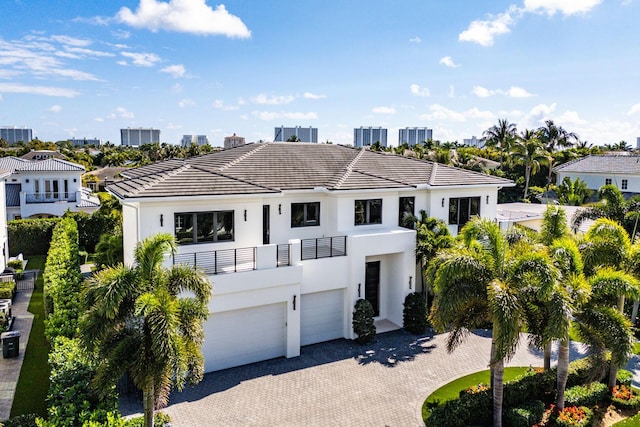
(337, 383)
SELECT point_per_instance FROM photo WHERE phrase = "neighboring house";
(45, 188)
(103, 176)
(623, 171)
(4, 236)
(530, 215)
(293, 234)
(43, 155)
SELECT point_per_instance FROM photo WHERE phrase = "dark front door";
(265, 225)
(372, 285)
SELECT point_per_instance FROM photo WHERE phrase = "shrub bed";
(586, 395)
(525, 415)
(623, 397)
(7, 290)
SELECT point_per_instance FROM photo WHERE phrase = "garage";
(321, 316)
(237, 337)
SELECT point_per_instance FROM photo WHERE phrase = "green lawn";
(452, 390)
(33, 384)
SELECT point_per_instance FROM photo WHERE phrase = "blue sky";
(73, 68)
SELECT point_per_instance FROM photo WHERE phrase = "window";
(625, 184)
(406, 210)
(203, 227)
(305, 214)
(368, 212)
(607, 181)
(462, 209)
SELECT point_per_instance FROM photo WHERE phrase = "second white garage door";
(238, 337)
(321, 316)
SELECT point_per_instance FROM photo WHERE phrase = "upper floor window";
(625, 184)
(607, 181)
(368, 212)
(406, 211)
(203, 227)
(305, 214)
(462, 209)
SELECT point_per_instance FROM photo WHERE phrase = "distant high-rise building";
(139, 136)
(233, 141)
(187, 140)
(638, 143)
(369, 135)
(81, 142)
(12, 134)
(413, 136)
(474, 142)
(283, 134)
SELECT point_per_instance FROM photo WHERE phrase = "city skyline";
(88, 69)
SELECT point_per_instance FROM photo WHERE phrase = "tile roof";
(15, 164)
(603, 163)
(275, 167)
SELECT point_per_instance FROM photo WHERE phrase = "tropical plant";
(363, 324)
(147, 320)
(552, 137)
(528, 151)
(573, 193)
(483, 280)
(109, 251)
(501, 136)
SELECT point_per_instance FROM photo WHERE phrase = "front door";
(372, 286)
(265, 225)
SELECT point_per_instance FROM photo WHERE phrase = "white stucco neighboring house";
(623, 171)
(4, 237)
(292, 235)
(45, 188)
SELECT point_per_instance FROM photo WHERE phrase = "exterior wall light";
(442, 203)
(245, 215)
(161, 220)
(410, 278)
(359, 285)
(280, 209)
(294, 303)
(487, 199)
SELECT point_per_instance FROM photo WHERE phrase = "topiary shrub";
(471, 409)
(362, 323)
(524, 416)
(414, 315)
(541, 384)
(586, 395)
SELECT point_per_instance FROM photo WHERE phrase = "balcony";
(49, 197)
(236, 260)
(324, 247)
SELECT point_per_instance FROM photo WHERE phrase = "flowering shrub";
(623, 398)
(475, 389)
(574, 416)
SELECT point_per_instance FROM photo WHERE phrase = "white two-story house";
(623, 171)
(45, 188)
(292, 235)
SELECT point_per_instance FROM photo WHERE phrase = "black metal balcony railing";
(50, 197)
(222, 261)
(283, 255)
(324, 247)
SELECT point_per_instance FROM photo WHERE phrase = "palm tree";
(482, 280)
(501, 136)
(139, 321)
(553, 137)
(528, 150)
(109, 250)
(573, 193)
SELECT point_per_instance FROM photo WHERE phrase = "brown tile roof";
(275, 167)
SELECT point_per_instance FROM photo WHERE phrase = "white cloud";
(176, 70)
(518, 92)
(186, 16)
(123, 63)
(71, 41)
(439, 112)
(482, 92)
(309, 95)
(121, 34)
(566, 7)
(142, 59)
(263, 99)
(269, 115)
(119, 112)
(419, 91)
(448, 61)
(383, 110)
(416, 39)
(541, 112)
(38, 90)
(635, 109)
(55, 108)
(483, 32)
(73, 74)
(220, 105)
(83, 52)
(186, 103)
(571, 118)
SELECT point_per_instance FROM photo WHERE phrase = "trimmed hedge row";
(62, 280)
(30, 236)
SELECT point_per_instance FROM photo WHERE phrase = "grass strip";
(33, 384)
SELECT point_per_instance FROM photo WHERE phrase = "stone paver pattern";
(337, 383)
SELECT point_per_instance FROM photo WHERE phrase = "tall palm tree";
(501, 136)
(528, 150)
(147, 320)
(553, 136)
(482, 280)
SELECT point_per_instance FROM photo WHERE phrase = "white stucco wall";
(4, 254)
(595, 181)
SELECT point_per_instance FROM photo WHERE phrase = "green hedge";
(586, 395)
(414, 315)
(7, 289)
(30, 236)
(524, 416)
(363, 324)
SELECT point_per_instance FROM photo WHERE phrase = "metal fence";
(222, 261)
(324, 247)
(283, 255)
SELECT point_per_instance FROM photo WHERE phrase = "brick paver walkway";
(337, 383)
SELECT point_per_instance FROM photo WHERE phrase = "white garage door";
(321, 316)
(238, 337)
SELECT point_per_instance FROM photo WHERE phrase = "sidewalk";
(10, 368)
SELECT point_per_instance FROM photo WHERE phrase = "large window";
(203, 227)
(607, 181)
(406, 211)
(461, 209)
(305, 214)
(368, 212)
(625, 184)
